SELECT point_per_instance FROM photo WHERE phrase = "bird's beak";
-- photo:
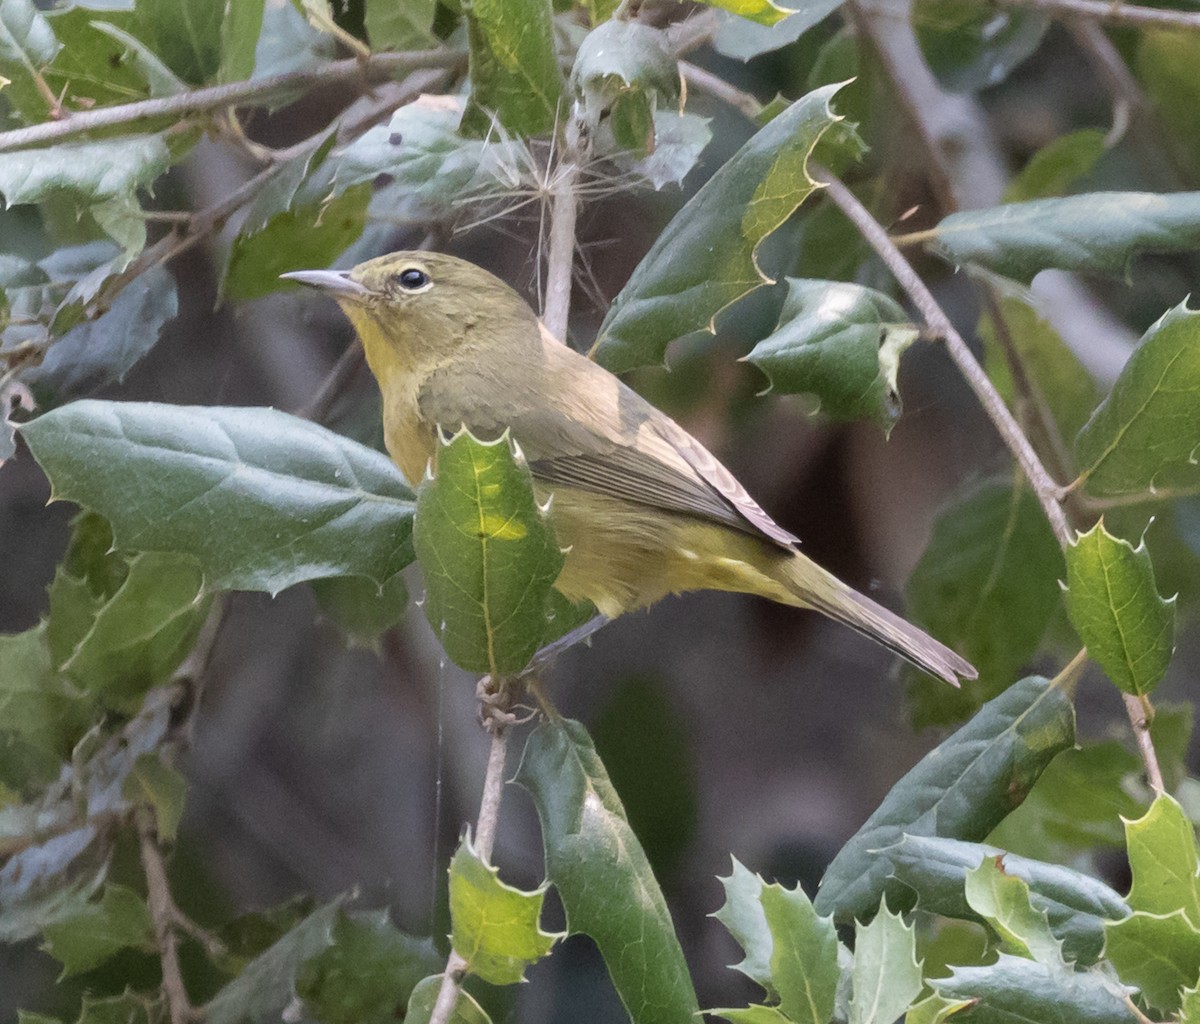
(336, 282)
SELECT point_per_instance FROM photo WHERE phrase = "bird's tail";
(813, 587)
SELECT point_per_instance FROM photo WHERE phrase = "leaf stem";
(164, 916)
(216, 97)
(1141, 714)
(716, 86)
(1044, 487)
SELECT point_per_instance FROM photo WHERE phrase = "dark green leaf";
(360, 607)
(961, 790)
(369, 972)
(1054, 168)
(1054, 375)
(487, 553)
(127, 1008)
(159, 79)
(743, 39)
(101, 351)
(1115, 608)
(155, 784)
(1098, 233)
(970, 48)
(1015, 989)
(1145, 436)
(400, 26)
(841, 342)
(268, 984)
(496, 928)
(187, 34)
(679, 139)
(705, 258)
(1075, 904)
(241, 25)
(304, 236)
(514, 71)
(290, 501)
(987, 585)
(597, 865)
(119, 919)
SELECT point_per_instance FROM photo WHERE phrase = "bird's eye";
(412, 279)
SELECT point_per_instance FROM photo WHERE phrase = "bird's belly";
(622, 556)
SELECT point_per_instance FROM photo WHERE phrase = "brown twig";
(218, 97)
(1111, 12)
(1048, 492)
(1141, 714)
(164, 916)
(564, 208)
(716, 86)
(497, 718)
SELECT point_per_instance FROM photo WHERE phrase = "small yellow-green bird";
(641, 507)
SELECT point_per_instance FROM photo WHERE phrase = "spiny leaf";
(1002, 899)
(595, 862)
(495, 927)
(488, 555)
(841, 342)
(705, 258)
(887, 977)
(1146, 434)
(100, 930)
(1115, 607)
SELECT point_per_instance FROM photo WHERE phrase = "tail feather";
(825, 593)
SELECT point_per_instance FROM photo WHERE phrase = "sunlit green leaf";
(887, 977)
(1115, 608)
(1146, 434)
(743, 39)
(293, 500)
(596, 864)
(400, 26)
(487, 553)
(705, 258)
(496, 927)
(1076, 905)
(841, 342)
(1002, 899)
(241, 24)
(961, 790)
(765, 12)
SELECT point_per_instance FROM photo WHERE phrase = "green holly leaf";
(841, 342)
(1115, 608)
(1145, 436)
(495, 927)
(705, 258)
(488, 555)
(153, 783)
(886, 975)
(118, 920)
(1003, 900)
(764, 12)
(1054, 168)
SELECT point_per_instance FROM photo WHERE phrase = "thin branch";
(1112, 13)
(1141, 714)
(716, 86)
(163, 915)
(495, 701)
(564, 207)
(255, 91)
(1048, 492)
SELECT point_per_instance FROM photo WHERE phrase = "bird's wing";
(598, 435)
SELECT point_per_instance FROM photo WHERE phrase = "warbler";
(641, 508)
